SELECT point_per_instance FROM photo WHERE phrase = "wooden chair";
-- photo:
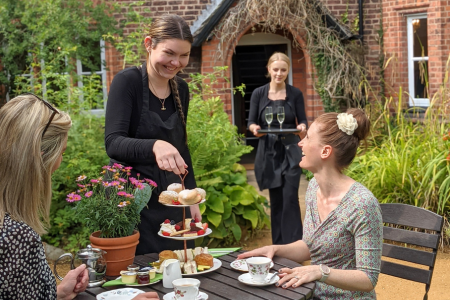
(410, 217)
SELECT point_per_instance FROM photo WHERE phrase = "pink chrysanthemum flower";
(122, 193)
(80, 185)
(106, 184)
(88, 194)
(95, 181)
(139, 186)
(151, 182)
(128, 168)
(116, 165)
(70, 197)
(122, 180)
(120, 187)
(131, 196)
(81, 178)
(114, 183)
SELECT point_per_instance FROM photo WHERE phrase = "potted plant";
(110, 206)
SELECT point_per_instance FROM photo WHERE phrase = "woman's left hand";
(297, 276)
(195, 212)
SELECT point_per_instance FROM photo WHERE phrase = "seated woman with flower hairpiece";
(343, 226)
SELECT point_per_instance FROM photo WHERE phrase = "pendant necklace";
(162, 100)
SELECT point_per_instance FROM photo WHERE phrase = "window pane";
(420, 79)
(93, 91)
(420, 37)
(92, 60)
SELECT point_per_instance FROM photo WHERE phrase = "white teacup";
(258, 267)
(186, 288)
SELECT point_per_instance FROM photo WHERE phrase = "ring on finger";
(296, 277)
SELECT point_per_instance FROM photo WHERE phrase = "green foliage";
(56, 32)
(407, 161)
(85, 154)
(234, 209)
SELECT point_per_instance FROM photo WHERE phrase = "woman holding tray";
(277, 157)
(146, 125)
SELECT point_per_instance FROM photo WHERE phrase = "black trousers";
(285, 214)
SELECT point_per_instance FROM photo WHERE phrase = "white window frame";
(413, 101)
(101, 72)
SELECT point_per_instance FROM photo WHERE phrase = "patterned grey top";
(24, 272)
(350, 238)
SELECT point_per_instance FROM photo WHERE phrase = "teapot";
(95, 262)
(171, 271)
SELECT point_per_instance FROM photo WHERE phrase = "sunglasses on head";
(54, 110)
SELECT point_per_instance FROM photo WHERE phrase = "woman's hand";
(297, 276)
(74, 282)
(195, 212)
(254, 129)
(267, 251)
(168, 157)
(302, 128)
(149, 295)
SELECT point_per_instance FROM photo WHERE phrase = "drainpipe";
(361, 21)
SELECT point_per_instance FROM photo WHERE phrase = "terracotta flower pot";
(119, 251)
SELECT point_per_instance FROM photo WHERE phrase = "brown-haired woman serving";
(146, 124)
(343, 224)
(277, 157)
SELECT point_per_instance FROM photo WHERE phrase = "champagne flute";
(280, 116)
(269, 115)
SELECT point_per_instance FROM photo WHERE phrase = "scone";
(189, 197)
(167, 254)
(168, 197)
(202, 193)
(204, 260)
(176, 187)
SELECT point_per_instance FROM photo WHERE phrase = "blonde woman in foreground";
(343, 226)
(33, 137)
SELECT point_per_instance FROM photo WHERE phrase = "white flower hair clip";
(347, 123)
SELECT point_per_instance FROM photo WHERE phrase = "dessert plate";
(120, 294)
(171, 296)
(120, 277)
(182, 238)
(247, 279)
(182, 205)
(241, 265)
(217, 264)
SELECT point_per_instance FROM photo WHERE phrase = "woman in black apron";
(146, 125)
(278, 155)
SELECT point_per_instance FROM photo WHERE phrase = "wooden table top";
(222, 283)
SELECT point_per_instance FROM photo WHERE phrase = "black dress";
(277, 159)
(134, 122)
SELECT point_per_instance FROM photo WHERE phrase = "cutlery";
(272, 277)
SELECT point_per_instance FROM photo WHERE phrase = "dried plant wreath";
(338, 62)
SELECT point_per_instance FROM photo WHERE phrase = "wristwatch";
(325, 270)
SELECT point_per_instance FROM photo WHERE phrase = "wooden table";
(222, 283)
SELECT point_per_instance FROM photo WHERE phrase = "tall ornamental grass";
(408, 155)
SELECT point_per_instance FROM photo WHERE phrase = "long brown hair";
(27, 159)
(168, 27)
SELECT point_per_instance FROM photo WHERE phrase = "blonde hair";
(168, 27)
(27, 159)
(278, 56)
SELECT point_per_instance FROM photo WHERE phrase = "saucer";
(247, 279)
(171, 296)
(241, 265)
(120, 294)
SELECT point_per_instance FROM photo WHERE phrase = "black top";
(260, 99)
(123, 113)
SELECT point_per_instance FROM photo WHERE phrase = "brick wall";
(188, 9)
(395, 13)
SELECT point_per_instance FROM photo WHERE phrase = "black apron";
(151, 126)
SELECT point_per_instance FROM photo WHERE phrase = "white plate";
(120, 294)
(208, 231)
(120, 277)
(217, 264)
(247, 279)
(182, 205)
(241, 265)
(171, 296)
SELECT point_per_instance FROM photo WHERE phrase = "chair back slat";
(411, 237)
(409, 254)
(407, 215)
(406, 272)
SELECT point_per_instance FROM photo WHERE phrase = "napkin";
(119, 281)
(218, 252)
